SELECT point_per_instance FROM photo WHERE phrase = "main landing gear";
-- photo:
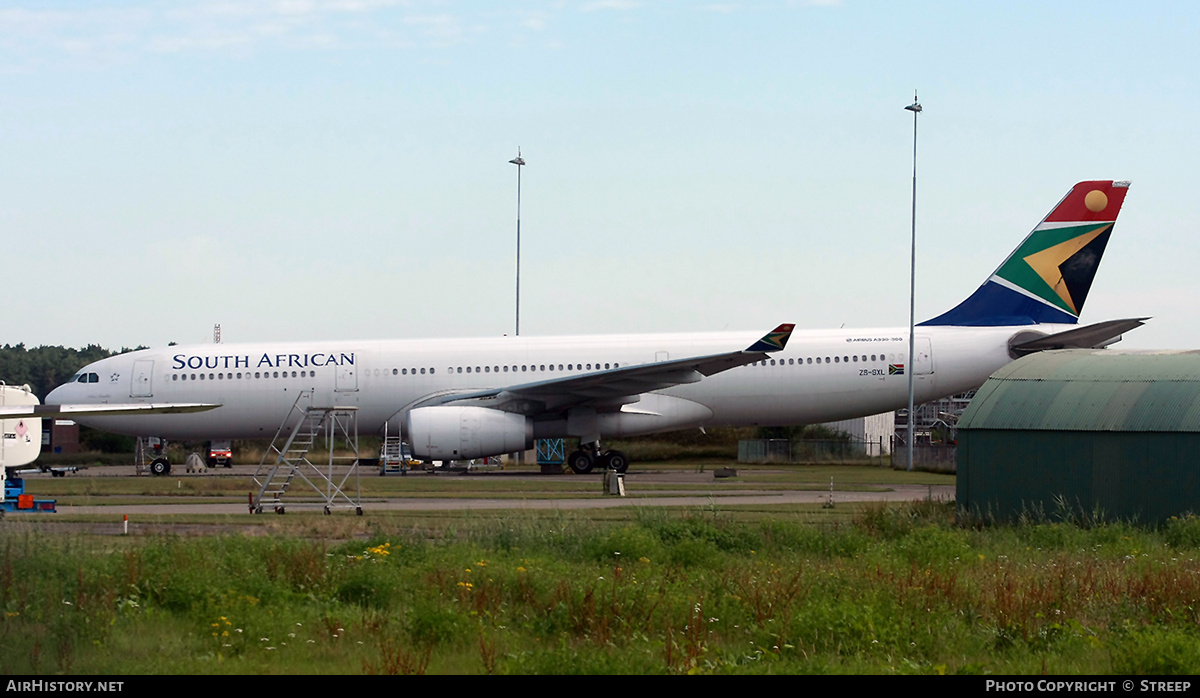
(583, 460)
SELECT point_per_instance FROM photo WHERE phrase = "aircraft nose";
(56, 396)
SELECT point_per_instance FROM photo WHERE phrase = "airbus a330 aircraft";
(462, 399)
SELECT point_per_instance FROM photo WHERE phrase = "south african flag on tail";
(1048, 277)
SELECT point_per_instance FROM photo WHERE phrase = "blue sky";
(300, 169)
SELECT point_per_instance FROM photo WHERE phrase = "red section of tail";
(1090, 202)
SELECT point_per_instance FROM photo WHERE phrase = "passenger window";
(175, 376)
(468, 369)
(856, 359)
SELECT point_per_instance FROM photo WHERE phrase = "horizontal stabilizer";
(1094, 336)
(12, 411)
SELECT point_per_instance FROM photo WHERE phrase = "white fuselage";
(822, 375)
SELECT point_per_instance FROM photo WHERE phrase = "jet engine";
(458, 433)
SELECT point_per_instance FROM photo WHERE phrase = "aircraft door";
(346, 379)
(923, 361)
(143, 375)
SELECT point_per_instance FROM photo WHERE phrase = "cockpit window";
(93, 378)
(79, 378)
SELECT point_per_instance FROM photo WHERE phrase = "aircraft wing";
(51, 411)
(616, 386)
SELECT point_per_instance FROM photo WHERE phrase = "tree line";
(46, 368)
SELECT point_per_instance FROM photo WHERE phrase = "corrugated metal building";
(1091, 429)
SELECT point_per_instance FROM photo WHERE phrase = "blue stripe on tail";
(993, 305)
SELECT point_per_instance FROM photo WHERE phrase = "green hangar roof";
(1091, 390)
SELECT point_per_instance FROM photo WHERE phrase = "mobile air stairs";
(308, 426)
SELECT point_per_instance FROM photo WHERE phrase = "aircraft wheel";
(327, 511)
(160, 466)
(617, 461)
(581, 462)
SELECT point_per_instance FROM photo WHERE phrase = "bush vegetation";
(897, 590)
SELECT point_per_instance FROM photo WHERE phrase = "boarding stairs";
(392, 455)
(291, 455)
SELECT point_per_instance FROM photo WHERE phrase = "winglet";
(775, 340)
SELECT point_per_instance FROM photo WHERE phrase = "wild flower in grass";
(379, 550)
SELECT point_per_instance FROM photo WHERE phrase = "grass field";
(756, 589)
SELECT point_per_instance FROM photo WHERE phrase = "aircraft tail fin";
(1047, 278)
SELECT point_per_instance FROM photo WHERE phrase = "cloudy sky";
(299, 169)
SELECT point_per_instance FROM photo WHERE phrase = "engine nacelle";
(459, 433)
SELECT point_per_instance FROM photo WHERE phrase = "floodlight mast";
(519, 162)
(915, 108)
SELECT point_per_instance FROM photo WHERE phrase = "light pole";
(519, 162)
(915, 108)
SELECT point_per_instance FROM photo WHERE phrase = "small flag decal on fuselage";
(895, 369)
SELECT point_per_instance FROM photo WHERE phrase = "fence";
(812, 451)
(938, 458)
(935, 458)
